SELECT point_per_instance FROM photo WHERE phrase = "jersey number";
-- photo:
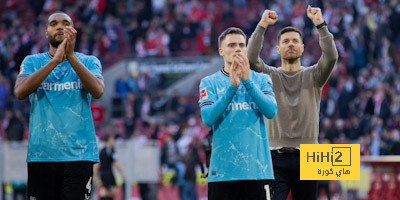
(89, 188)
(267, 194)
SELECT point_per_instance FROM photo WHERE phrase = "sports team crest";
(21, 69)
(203, 94)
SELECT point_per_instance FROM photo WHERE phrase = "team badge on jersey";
(21, 69)
(203, 94)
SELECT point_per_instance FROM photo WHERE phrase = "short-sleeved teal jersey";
(60, 124)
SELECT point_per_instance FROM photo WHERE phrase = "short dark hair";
(59, 12)
(107, 137)
(289, 29)
(230, 30)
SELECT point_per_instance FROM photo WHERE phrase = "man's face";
(290, 46)
(55, 28)
(232, 45)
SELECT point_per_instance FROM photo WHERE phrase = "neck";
(227, 67)
(291, 65)
(52, 50)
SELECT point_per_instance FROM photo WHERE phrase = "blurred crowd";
(360, 102)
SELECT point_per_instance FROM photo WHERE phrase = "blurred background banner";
(141, 161)
(15, 167)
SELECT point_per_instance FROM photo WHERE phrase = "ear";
(221, 52)
(278, 49)
(46, 34)
(302, 48)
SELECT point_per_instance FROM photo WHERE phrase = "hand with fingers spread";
(60, 52)
(315, 14)
(269, 17)
(244, 66)
(235, 73)
(71, 38)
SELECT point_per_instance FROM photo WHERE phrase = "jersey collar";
(48, 53)
(224, 72)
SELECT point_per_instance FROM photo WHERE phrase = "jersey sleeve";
(94, 66)
(27, 67)
(266, 86)
(207, 93)
(211, 106)
(262, 94)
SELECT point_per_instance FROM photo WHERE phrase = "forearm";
(119, 169)
(328, 47)
(26, 85)
(254, 48)
(96, 170)
(266, 103)
(94, 85)
(210, 113)
(329, 55)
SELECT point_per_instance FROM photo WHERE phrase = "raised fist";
(269, 17)
(315, 15)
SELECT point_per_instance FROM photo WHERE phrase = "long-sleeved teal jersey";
(240, 149)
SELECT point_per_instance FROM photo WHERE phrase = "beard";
(53, 42)
(292, 58)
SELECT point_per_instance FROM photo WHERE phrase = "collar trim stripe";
(224, 72)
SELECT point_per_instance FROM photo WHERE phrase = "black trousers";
(239, 190)
(287, 178)
(60, 180)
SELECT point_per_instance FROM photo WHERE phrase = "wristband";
(321, 25)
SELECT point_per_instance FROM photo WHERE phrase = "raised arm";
(27, 83)
(212, 108)
(256, 41)
(94, 85)
(264, 98)
(329, 57)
